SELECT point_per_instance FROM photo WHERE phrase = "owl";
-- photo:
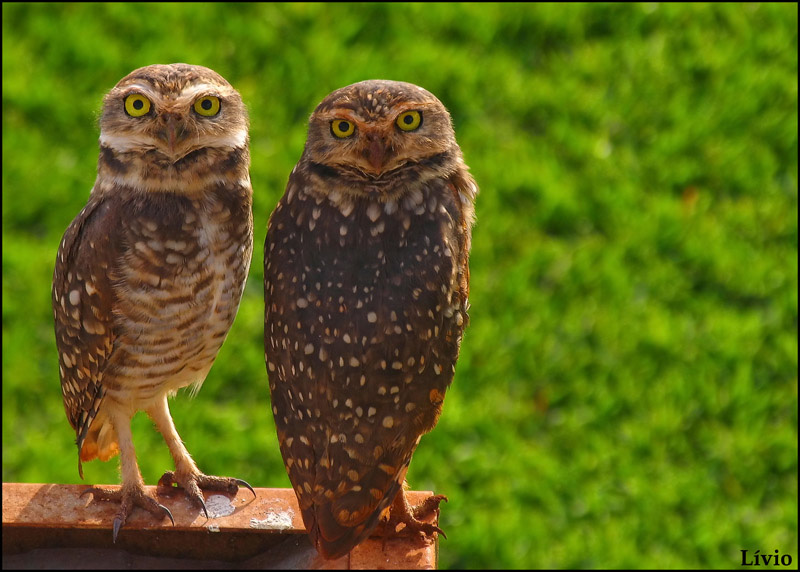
(149, 275)
(366, 280)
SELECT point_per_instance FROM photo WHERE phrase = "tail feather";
(100, 442)
(335, 530)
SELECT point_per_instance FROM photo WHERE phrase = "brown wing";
(82, 305)
(362, 331)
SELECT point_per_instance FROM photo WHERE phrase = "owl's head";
(171, 111)
(379, 133)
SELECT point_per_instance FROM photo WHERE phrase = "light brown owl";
(149, 275)
(366, 282)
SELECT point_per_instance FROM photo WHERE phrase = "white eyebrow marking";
(139, 87)
(184, 97)
(201, 88)
(144, 89)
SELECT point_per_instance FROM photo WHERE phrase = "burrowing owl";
(149, 275)
(366, 283)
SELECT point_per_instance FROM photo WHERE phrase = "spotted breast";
(366, 289)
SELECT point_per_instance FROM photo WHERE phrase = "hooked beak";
(173, 131)
(376, 152)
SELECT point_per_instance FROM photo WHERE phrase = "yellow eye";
(207, 106)
(409, 120)
(137, 105)
(342, 128)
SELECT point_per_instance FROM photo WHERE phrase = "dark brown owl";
(366, 283)
(149, 275)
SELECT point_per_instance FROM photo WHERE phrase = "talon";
(193, 485)
(410, 518)
(245, 484)
(117, 526)
(169, 514)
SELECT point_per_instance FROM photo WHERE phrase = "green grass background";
(627, 389)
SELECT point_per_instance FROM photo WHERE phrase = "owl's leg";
(132, 492)
(402, 512)
(186, 475)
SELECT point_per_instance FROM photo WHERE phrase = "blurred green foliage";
(627, 391)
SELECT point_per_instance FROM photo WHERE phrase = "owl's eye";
(409, 120)
(207, 106)
(342, 128)
(137, 105)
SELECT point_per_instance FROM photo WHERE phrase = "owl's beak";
(173, 131)
(377, 152)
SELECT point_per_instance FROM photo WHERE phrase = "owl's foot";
(129, 497)
(402, 513)
(194, 483)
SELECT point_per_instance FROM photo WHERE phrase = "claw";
(169, 514)
(411, 518)
(119, 521)
(194, 485)
(428, 506)
(245, 484)
(117, 525)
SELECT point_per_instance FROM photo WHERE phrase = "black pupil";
(343, 126)
(408, 119)
(138, 104)
(206, 104)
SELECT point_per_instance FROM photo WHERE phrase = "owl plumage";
(366, 284)
(149, 275)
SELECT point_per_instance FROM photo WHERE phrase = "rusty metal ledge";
(52, 526)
